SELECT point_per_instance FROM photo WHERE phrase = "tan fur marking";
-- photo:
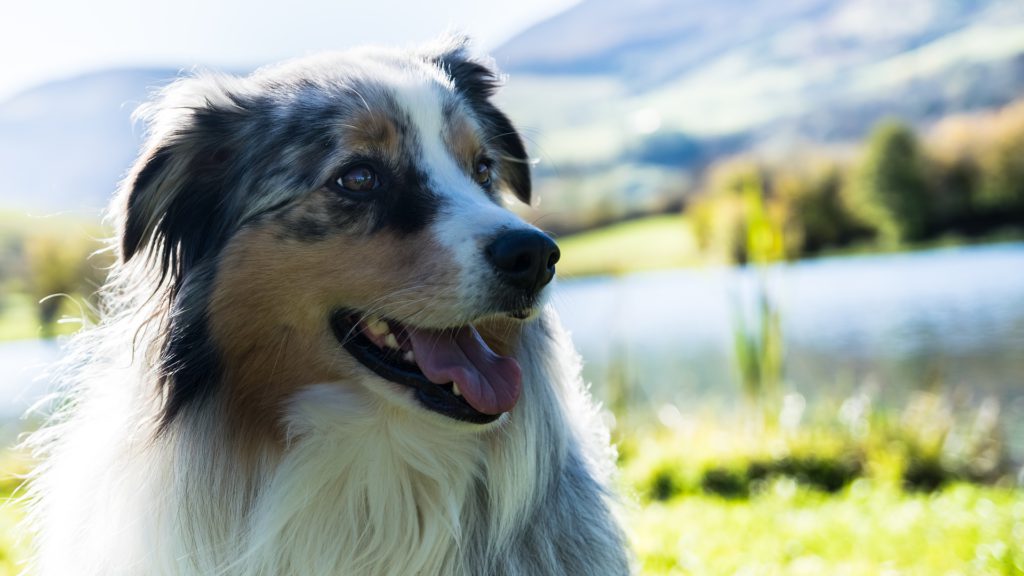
(372, 134)
(462, 139)
(270, 307)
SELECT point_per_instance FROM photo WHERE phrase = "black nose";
(524, 259)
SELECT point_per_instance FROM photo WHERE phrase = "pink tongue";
(489, 382)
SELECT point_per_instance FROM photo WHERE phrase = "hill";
(64, 145)
(817, 70)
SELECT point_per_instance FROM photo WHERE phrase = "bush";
(889, 188)
(1001, 194)
(820, 472)
(926, 474)
(725, 482)
(42, 257)
(665, 484)
(817, 217)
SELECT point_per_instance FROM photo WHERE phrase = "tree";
(890, 186)
(1001, 195)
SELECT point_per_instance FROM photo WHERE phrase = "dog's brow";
(369, 131)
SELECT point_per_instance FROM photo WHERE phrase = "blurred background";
(792, 236)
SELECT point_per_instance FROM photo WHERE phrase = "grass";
(865, 530)
(668, 241)
(12, 550)
(716, 496)
(20, 321)
(656, 242)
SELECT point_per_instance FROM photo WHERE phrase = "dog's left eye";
(359, 179)
(482, 173)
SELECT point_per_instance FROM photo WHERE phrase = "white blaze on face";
(468, 218)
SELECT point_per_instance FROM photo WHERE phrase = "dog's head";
(339, 219)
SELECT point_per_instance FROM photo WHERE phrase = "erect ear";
(477, 80)
(177, 206)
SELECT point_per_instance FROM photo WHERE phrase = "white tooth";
(391, 341)
(377, 327)
(455, 389)
(409, 357)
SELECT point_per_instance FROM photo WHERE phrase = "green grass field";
(12, 549)
(657, 242)
(865, 530)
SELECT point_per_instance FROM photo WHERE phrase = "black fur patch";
(477, 83)
(190, 364)
(412, 206)
(309, 229)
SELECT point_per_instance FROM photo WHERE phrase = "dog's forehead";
(385, 95)
(414, 106)
(383, 82)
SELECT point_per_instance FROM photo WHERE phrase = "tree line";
(962, 178)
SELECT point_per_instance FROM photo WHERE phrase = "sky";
(45, 40)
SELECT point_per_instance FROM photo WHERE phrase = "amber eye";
(482, 173)
(361, 178)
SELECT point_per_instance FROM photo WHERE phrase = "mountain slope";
(654, 41)
(65, 145)
(798, 70)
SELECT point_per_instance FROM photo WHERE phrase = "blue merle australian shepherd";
(325, 347)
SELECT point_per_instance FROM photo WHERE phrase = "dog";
(325, 347)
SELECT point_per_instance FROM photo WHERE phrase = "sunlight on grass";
(865, 530)
(646, 244)
(11, 553)
(12, 549)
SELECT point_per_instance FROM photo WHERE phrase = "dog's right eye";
(359, 179)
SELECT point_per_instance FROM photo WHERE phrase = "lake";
(949, 319)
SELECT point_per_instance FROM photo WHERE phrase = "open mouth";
(452, 371)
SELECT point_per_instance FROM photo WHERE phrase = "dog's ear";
(477, 80)
(176, 201)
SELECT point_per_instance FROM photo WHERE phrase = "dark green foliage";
(1001, 194)
(890, 189)
(725, 482)
(824, 473)
(955, 183)
(819, 218)
(926, 474)
(665, 484)
(828, 474)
